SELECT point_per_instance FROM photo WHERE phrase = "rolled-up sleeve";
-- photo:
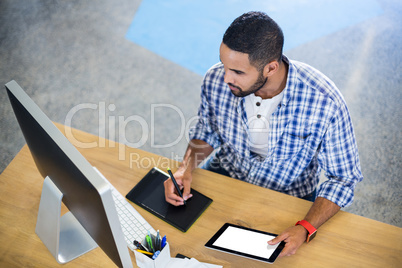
(339, 157)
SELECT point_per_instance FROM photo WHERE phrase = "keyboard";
(133, 225)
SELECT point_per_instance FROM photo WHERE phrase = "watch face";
(311, 236)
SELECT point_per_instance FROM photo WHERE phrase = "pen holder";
(144, 261)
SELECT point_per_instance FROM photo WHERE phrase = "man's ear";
(271, 68)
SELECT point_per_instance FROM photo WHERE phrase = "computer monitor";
(70, 178)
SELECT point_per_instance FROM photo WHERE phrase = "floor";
(132, 71)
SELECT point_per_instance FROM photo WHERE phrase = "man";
(275, 123)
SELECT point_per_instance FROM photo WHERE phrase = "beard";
(254, 88)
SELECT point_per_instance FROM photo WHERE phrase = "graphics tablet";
(245, 242)
(149, 194)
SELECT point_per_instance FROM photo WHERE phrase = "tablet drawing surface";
(149, 193)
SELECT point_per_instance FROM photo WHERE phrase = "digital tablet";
(245, 242)
(149, 194)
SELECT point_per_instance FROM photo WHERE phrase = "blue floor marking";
(189, 32)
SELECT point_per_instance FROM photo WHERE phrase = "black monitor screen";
(58, 159)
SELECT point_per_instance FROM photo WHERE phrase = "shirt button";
(258, 103)
(258, 116)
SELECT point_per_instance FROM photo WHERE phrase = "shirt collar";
(290, 81)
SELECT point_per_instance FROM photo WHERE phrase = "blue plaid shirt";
(310, 129)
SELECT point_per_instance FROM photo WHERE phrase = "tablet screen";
(245, 242)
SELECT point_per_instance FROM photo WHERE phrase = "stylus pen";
(176, 185)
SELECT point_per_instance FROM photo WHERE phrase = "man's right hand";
(183, 179)
(196, 152)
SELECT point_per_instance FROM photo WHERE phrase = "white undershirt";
(259, 112)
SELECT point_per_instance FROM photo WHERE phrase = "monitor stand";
(63, 235)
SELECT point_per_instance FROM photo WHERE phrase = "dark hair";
(256, 34)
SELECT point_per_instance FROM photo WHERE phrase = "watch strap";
(310, 228)
(312, 231)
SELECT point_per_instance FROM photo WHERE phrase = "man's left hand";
(294, 237)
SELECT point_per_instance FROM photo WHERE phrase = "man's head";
(251, 52)
(257, 35)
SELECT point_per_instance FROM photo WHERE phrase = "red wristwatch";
(310, 229)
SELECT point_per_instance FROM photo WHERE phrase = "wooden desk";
(346, 240)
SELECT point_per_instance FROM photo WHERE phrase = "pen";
(163, 243)
(158, 241)
(149, 241)
(176, 185)
(140, 246)
(156, 255)
(145, 252)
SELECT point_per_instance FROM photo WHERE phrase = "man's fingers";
(288, 250)
(293, 236)
(280, 238)
(174, 199)
(170, 195)
(277, 239)
(187, 189)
